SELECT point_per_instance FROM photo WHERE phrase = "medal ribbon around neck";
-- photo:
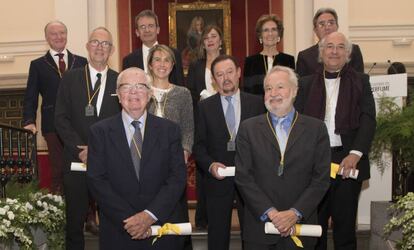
(282, 153)
(90, 98)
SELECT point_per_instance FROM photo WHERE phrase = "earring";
(260, 41)
(278, 39)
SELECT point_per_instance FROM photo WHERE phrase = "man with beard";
(214, 148)
(282, 166)
(342, 98)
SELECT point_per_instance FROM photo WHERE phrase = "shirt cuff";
(264, 216)
(356, 152)
(151, 214)
(298, 214)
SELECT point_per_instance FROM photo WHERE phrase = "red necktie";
(62, 64)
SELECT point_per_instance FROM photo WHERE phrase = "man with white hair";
(136, 170)
(342, 98)
(282, 167)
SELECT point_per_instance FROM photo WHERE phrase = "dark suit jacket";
(358, 139)
(196, 80)
(307, 63)
(254, 71)
(212, 136)
(112, 180)
(304, 181)
(135, 59)
(44, 78)
(71, 123)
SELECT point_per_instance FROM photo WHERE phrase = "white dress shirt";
(93, 77)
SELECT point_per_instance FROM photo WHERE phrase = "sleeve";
(167, 198)
(63, 117)
(367, 120)
(125, 63)
(191, 81)
(200, 151)
(178, 77)
(31, 96)
(115, 208)
(254, 197)
(300, 65)
(187, 120)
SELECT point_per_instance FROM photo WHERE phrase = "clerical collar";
(332, 75)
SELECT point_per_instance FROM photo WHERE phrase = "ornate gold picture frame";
(182, 18)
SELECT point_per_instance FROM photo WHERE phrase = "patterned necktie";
(136, 147)
(98, 81)
(281, 134)
(62, 64)
(230, 116)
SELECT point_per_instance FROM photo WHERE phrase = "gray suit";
(302, 185)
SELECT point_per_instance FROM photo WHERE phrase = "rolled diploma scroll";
(352, 175)
(305, 230)
(78, 166)
(185, 229)
(228, 171)
(335, 168)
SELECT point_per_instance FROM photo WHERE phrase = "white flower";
(10, 215)
(6, 222)
(2, 211)
(28, 206)
(11, 201)
(39, 203)
(45, 205)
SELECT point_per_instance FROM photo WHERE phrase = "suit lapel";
(71, 60)
(118, 137)
(244, 107)
(267, 132)
(49, 60)
(140, 59)
(150, 137)
(296, 132)
(218, 109)
(110, 78)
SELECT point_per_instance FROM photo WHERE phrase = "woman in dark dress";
(269, 31)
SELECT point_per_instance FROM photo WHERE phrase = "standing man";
(44, 76)
(147, 29)
(282, 166)
(216, 130)
(325, 22)
(136, 170)
(84, 97)
(342, 98)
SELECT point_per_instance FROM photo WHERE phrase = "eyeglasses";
(128, 87)
(323, 24)
(104, 44)
(149, 27)
(339, 47)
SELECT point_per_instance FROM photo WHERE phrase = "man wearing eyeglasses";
(342, 98)
(325, 22)
(136, 171)
(147, 29)
(84, 97)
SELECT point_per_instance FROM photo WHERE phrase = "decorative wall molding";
(23, 48)
(401, 34)
(13, 81)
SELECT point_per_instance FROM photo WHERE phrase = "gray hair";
(322, 44)
(54, 22)
(101, 28)
(324, 11)
(293, 79)
(132, 70)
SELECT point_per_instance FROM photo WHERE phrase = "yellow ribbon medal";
(165, 229)
(295, 237)
(334, 170)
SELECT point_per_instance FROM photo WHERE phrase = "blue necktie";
(230, 116)
(136, 147)
(281, 134)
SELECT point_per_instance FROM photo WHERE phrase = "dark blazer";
(357, 139)
(255, 71)
(304, 181)
(71, 123)
(135, 59)
(196, 80)
(44, 78)
(112, 180)
(212, 135)
(308, 64)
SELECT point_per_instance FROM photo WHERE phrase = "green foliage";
(394, 133)
(403, 219)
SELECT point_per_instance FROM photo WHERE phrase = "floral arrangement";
(20, 216)
(403, 219)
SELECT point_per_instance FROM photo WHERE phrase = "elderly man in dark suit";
(282, 166)
(325, 22)
(147, 29)
(342, 98)
(84, 97)
(44, 76)
(216, 130)
(136, 170)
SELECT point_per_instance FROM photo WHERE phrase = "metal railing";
(18, 156)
